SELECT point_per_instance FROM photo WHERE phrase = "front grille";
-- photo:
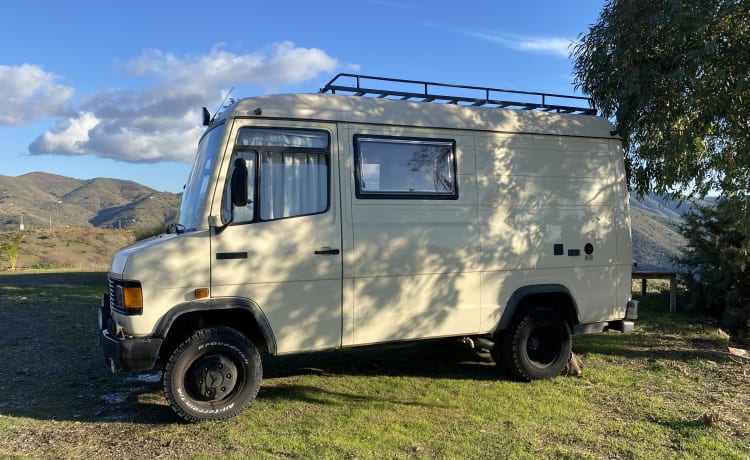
(111, 290)
(114, 300)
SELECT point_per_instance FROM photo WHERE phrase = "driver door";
(282, 250)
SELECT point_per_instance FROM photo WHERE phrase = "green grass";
(643, 395)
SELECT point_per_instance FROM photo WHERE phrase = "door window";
(288, 174)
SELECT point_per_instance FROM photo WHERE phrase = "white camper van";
(378, 211)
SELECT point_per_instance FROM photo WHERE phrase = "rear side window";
(405, 168)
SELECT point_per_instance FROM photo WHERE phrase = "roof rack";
(415, 90)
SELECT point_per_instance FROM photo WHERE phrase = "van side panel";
(414, 262)
(536, 192)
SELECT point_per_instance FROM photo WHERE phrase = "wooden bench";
(645, 272)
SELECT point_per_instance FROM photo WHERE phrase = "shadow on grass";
(660, 335)
(434, 359)
(52, 364)
(320, 396)
(26, 278)
(444, 358)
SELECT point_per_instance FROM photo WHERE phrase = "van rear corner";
(625, 325)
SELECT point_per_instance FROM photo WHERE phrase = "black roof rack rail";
(415, 90)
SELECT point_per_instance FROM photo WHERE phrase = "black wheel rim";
(544, 346)
(213, 377)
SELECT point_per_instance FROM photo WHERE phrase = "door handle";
(231, 255)
(327, 252)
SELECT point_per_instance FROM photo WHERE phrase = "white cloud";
(160, 122)
(28, 94)
(550, 45)
(559, 46)
(275, 66)
(69, 135)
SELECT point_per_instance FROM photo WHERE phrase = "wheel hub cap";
(212, 377)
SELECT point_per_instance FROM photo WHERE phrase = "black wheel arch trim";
(515, 300)
(214, 304)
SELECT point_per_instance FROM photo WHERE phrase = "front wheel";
(537, 345)
(213, 375)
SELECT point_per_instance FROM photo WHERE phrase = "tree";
(674, 74)
(718, 258)
(10, 249)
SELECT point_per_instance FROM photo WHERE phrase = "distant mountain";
(50, 200)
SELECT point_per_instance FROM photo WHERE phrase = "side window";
(405, 168)
(288, 174)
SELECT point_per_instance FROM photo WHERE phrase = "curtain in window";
(292, 184)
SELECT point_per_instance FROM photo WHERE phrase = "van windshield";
(194, 197)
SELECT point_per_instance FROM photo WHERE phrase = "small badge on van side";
(589, 250)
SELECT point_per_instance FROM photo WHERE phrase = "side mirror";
(239, 183)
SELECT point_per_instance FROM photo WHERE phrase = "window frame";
(259, 149)
(402, 195)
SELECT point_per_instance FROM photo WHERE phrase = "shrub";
(142, 234)
(10, 250)
(58, 259)
(717, 258)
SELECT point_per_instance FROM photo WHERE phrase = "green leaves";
(674, 76)
(10, 250)
(718, 258)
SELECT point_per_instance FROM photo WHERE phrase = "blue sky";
(114, 89)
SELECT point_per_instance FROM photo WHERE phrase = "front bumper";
(123, 353)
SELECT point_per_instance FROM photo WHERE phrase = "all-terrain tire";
(213, 375)
(537, 345)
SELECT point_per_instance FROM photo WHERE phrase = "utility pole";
(20, 227)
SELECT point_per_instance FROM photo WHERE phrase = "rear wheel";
(213, 375)
(537, 345)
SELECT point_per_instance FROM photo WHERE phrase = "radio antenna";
(221, 106)
(207, 118)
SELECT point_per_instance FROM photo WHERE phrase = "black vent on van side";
(476, 96)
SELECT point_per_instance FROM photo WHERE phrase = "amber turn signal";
(132, 297)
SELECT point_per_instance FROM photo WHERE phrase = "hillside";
(81, 248)
(656, 240)
(45, 200)
(655, 221)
